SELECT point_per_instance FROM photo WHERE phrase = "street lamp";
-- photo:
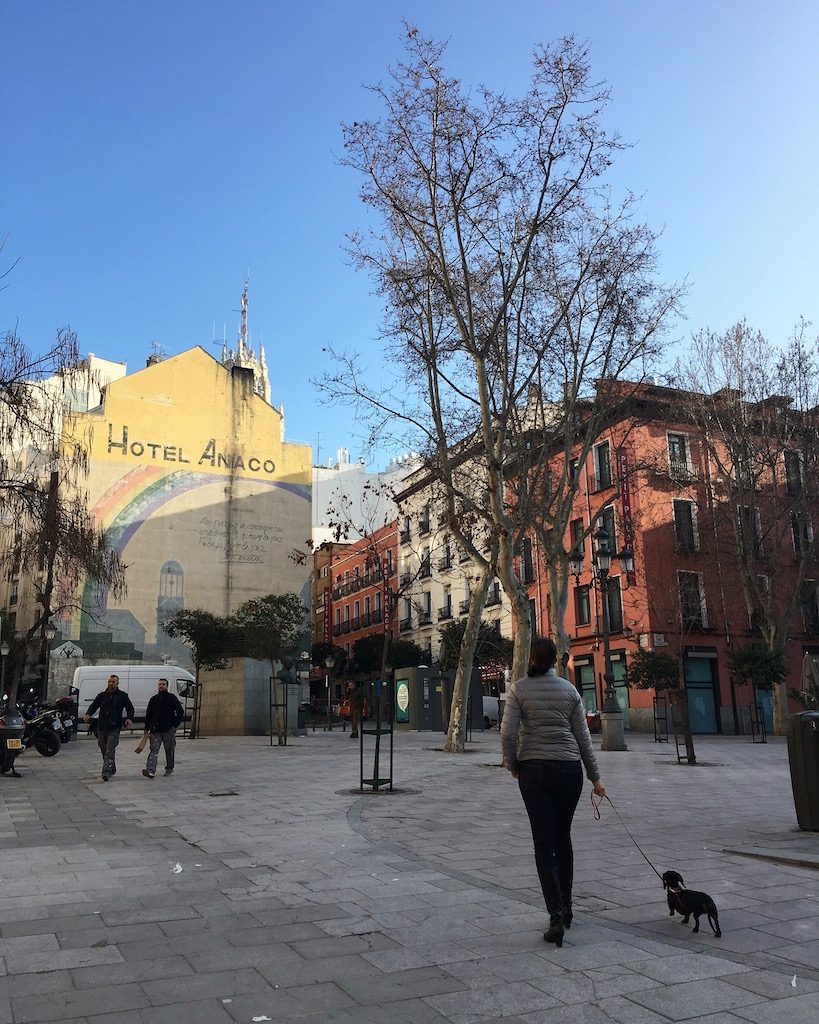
(329, 661)
(612, 714)
(5, 647)
(49, 632)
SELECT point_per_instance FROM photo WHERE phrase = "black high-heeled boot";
(554, 904)
(555, 932)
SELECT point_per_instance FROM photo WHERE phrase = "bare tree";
(48, 536)
(757, 408)
(503, 265)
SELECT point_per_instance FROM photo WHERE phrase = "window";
(614, 604)
(602, 466)
(757, 617)
(793, 472)
(582, 606)
(574, 471)
(405, 531)
(692, 600)
(750, 531)
(426, 608)
(423, 521)
(425, 570)
(325, 571)
(685, 526)
(810, 606)
(678, 456)
(576, 528)
(606, 520)
(527, 568)
(802, 532)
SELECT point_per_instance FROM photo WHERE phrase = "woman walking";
(545, 738)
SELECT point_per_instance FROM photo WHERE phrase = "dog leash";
(596, 811)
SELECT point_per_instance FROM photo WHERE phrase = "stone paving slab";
(302, 900)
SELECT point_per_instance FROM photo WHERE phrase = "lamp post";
(5, 647)
(329, 661)
(49, 632)
(304, 677)
(612, 714)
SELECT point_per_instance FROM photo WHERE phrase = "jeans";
(108, 740)
(550, 791)
(157, 740)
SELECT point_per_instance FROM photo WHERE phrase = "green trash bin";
(803, 754)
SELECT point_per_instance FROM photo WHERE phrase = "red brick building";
(351, 589)
(658, 488)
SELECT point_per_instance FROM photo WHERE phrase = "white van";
(138, 681)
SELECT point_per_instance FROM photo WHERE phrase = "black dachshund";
(687, 902)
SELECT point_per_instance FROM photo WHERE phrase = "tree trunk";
(456, 734)
(679, 706)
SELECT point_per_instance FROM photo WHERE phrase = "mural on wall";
(200, 496)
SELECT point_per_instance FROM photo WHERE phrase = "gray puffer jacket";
(544, 719)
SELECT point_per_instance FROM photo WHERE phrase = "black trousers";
(550, 791)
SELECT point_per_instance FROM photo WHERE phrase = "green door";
(618, 668)
(699, 685)
(584, 676)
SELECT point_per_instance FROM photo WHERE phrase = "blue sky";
(156, 152)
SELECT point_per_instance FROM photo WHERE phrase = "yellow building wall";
(198, 492)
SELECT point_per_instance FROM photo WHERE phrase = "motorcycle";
(64, 709)
(11, 738)
(41, 731)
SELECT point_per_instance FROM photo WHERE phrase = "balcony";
(425, 571)
(404, 579)
(357, 583)
(424, 617)
(681, 472)
(463, 607)
(404, 625)
(337, 629)
(445, 563)
(355, 623)
(600, 481)
(404, 536)
(493, 597)
(336, 593)
(345, 626)
(377, 616)
(423, 527)
(445, 612)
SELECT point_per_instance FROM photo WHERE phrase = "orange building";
(353, 584)
(661, 491)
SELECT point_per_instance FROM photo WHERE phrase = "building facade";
(657, 488)
(199, 493)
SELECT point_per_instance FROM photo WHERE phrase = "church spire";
(244, 355)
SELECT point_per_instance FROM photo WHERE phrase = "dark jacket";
(111, 704)
(164, 713)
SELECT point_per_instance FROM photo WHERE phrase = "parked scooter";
(65, 710)
(11, 738)
(41, 730)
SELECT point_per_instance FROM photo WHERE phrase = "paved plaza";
(257, 884)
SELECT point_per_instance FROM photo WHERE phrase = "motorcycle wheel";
(47, 743)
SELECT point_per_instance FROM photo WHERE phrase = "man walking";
(161, 720)
(111, 703)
